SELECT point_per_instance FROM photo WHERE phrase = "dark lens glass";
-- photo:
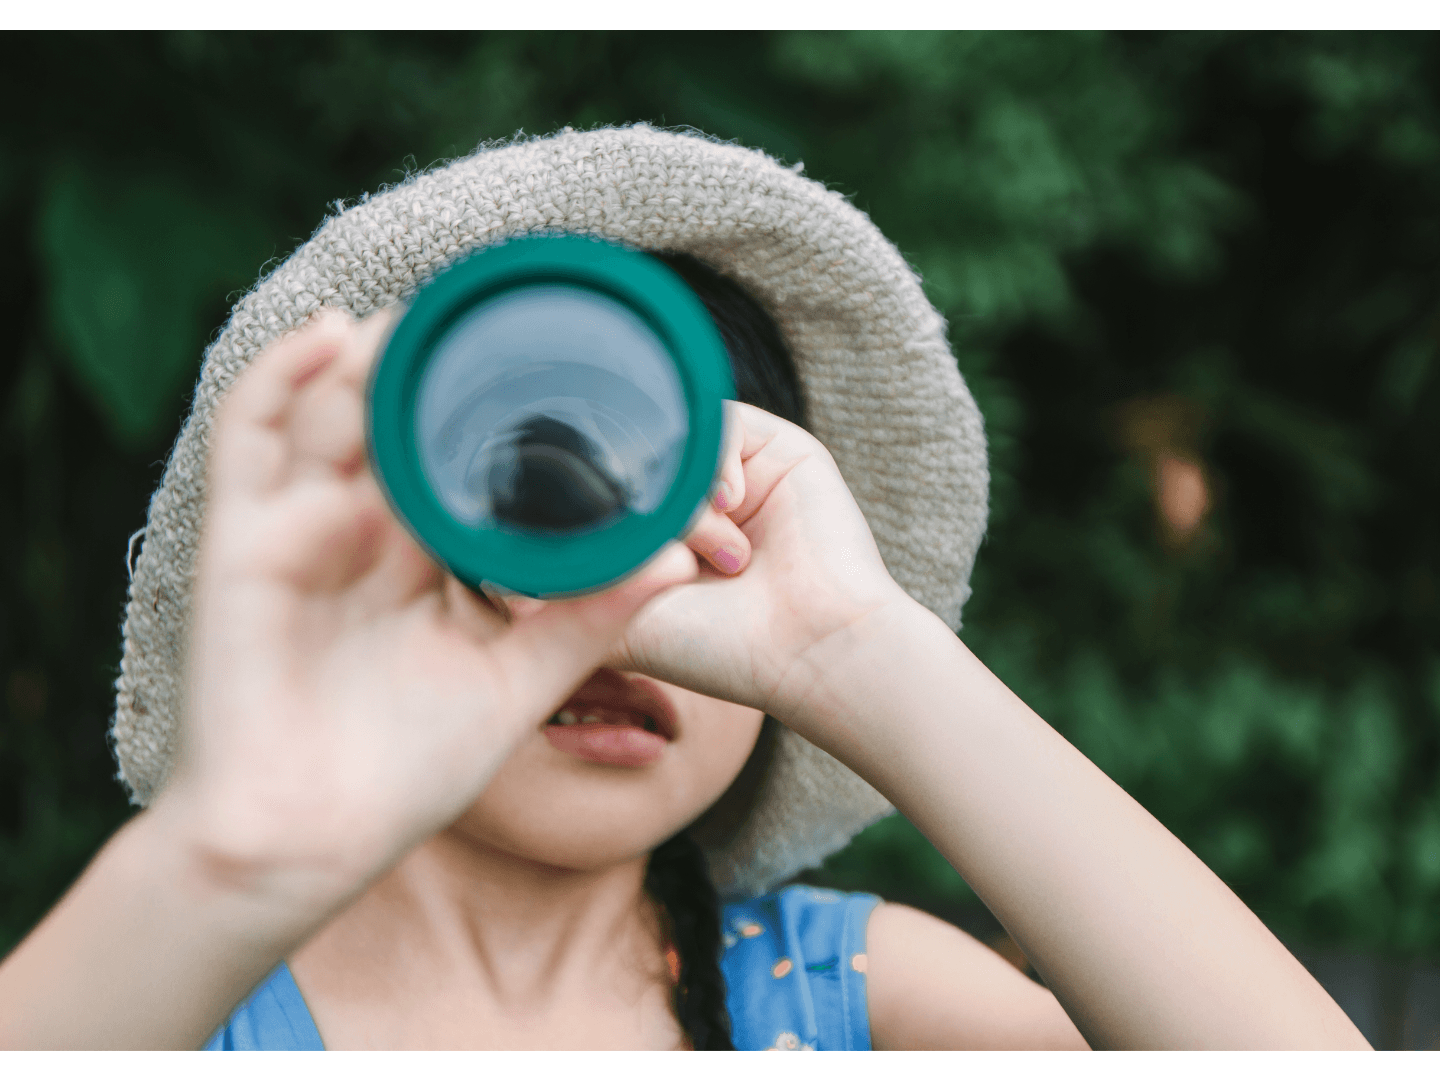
(550, 408)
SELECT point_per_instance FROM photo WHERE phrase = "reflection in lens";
(546, 475)
(550, 408)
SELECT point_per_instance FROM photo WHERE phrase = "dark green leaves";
(137, 268)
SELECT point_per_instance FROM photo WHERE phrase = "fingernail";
(723, 495)
(728, 559)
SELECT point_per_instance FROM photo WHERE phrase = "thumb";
(553, 650)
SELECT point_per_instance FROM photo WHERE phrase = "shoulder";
(794, 964)
(933, 986)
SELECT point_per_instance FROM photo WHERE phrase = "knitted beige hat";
(883, 391)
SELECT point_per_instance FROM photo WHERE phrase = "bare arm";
(151, 948)
(1141, 943)
(932, 986)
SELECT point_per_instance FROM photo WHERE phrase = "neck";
(459, 927)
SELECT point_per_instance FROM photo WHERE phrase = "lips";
(615, 719)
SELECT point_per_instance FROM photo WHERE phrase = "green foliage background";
(1230, 242)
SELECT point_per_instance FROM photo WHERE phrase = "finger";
(318, 537)
(403, 570)
(719, 541)
(371, 334)
(730, 482)
(497, 599)
(249, 448)
(510, 606)
(757, 428)
(326, 428)
(476, 614)
(771, 449)
(327, 423)
(523, 607)
(265, 391)
(548, 654)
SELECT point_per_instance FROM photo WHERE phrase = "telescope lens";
(550, 408)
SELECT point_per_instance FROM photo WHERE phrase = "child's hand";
(794, 566)
(346, 698)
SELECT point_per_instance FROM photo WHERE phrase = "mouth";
(615, 719)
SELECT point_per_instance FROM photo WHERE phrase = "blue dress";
(794, 967)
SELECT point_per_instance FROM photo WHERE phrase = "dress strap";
(274, 1017)
(794, 966)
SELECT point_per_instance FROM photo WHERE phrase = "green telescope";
(548, 414)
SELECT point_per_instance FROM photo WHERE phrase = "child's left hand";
(794, 566)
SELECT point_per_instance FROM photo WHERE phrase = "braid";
(678, 880)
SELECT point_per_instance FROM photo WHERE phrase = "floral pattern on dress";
(788, 1040)
(794, 970)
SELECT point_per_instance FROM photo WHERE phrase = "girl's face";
(625, 764)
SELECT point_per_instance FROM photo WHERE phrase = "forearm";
(151, 948)
(1141, 943)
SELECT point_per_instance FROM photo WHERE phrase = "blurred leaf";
(135, 265)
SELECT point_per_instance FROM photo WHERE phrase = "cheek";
(552, 808)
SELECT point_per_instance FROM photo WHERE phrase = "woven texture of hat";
(883, 391)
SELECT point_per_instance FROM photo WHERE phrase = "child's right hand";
(345, 698)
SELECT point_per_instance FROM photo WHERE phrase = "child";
(417, 817)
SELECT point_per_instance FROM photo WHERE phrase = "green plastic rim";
(534, 563)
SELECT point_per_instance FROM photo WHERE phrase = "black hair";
(678, 881)
(764, 370)
(677, 877)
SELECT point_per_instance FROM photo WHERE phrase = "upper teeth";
(565, 716)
